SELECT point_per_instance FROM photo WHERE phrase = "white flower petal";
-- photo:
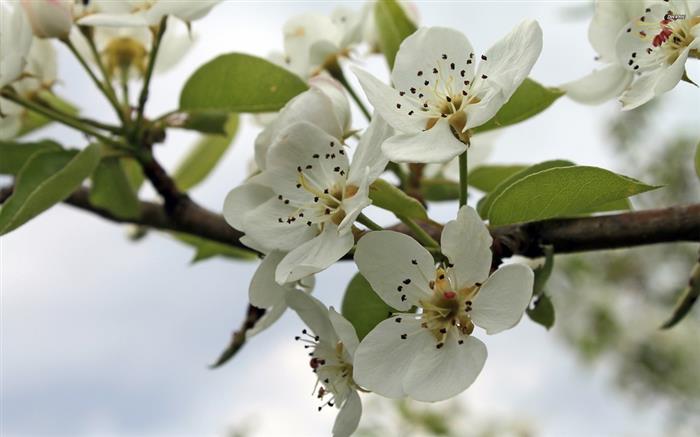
(313, 313)
(243, 199)
(272, 314)
(263, 225)
(346, 332)
(636, 37)
(439, 374)
(264, 291)
(609, 18)
(184, 10)
(599, 86)
(385, 99)
(437, 144)
(301, 32)
(428, 48)
(314, 255)
(369, 152)
(507, 63)
(10, 124)
(384, 357)
(115, 20)
(466, 242)
(348, 417)
(398, 268)
(15, 40)
(502, 299)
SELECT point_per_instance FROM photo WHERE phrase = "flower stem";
(104, 87)
(337, 73)
(419, 233)
(369, 223)
(143, 97)
(463, 182)
(58, 116)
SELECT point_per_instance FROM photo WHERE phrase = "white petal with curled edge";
(428, 48)
(264, 291)
(396, 266)
(507, 64)
(502, 299)
(315, 255)
(346, 332)
(184, 10)
(272, 314)
(599, 86)
(313, 313)
(437, 144)
(439, 374)
(385, 99)
(348, 417)
(466, 242)
(384, 357)
(115, 20)
(369, 151)
(242, 200)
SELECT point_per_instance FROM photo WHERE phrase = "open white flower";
(611, 80)
(657, 43)
(307, 197)
(15, 40)
(143, 13)
(438, 95)
(333, 344)
(265, 292)
(431, 355)
(312, 40)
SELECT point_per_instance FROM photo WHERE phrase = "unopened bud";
(49, 18)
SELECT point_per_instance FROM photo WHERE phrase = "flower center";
(666, 39)
(123, 53)
(447, 308)
(333, 373)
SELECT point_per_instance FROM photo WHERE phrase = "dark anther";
(483, 76)
(420, 73)
(403, 336)
(397, 320)
(439, 345)
(407, 281)
(483, 57)
(414, 262)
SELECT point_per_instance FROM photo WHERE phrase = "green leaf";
(47, 178)
(205, 249)
(615, 205)
(208, 122)
(111, 190)
(542, 311)
(439, 189)
(697, 160)
(487, 177)
(204, 156)
(32, 121)
(236, 82)
(529, 99)
(386, 196)
(393, 26)
(560, 192)
(363, 307)
(134, 173)
(485, 203)
(543, 272)
(15, 155)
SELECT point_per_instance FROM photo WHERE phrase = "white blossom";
(438, 95)
(49, 18)
(15, 40)
(307, 197)
(432, 355)
(144, 13)
(265, 293)
(332, 347)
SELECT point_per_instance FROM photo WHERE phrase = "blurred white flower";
(431, 355)
(49, 18)
(39, 73)
(307, 197)
(265, 293)
(369, 28)
(332, 345)
(144, 13)
(438, 96)
(15, 41)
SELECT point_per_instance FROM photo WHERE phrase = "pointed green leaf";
(47, 178)
(439, 189)
(14, 155)
(205, 249)
(236, 82)
(386, 196)
(487, 177)
(111, 190)
(561, 192)
(208, 122)
(697, 160)
(484, 205)
(393, 26)
(542, 311)
(202, 159)
(363, 307)
(529, 99)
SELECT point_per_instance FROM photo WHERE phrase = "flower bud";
(49, 18)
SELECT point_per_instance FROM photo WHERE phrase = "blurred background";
(101, 335)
